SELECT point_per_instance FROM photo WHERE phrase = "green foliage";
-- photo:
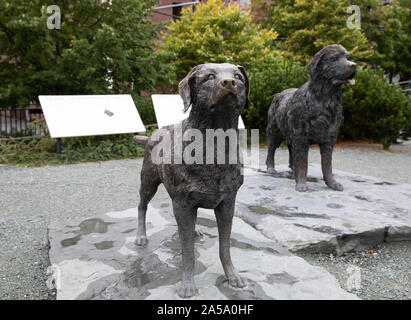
(38, 152)
(388, 27)
(103, 47)
(374, 109)
(215, 32)
(145, 109)
(401, 36)
(266, 80)
(306, 26)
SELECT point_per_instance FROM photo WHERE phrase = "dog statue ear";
(247, 85)
(313, 64)
(184, 88)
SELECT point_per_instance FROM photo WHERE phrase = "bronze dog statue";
(311, 114)
(217, 93)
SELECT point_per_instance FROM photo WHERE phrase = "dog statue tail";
(141, 139)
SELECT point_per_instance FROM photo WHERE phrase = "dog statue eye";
(210, 76)
(237, 76)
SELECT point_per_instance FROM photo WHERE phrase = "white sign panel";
(169, 110)
(90, 115)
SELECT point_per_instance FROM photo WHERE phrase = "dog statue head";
(333, 63)
(215, 89)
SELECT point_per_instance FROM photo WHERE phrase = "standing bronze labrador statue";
(217, 93)
(311, 114)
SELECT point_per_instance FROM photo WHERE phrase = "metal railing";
(21, 122)
(174, 5)
(405, 86)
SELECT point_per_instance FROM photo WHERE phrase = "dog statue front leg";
(300, 158)
(186, 218)
(224, 213)
(326, 166)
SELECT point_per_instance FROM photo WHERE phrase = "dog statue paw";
(271, 170)
(198, 233)
(187, 290)
(237, 282)
(301, 187)
(335, 186)
(141, 241)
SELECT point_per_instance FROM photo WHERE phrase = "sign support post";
(59, 145)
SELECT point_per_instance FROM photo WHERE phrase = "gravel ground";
(30, 198)
(387, 165)
(385, 271)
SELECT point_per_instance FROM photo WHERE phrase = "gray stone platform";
(95, 258)
(368, 211)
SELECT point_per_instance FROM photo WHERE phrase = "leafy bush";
(387, 30)
(145, 109)
(37, 152)
(266, 80)
(306, 26)
(374, 109)
(103, 47)
(215, 32)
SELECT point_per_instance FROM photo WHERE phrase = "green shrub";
(374, 109)
(103, 47)
(306, 26)
(266, 80)
(215, 32)
(38, 152)
(145, 109)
